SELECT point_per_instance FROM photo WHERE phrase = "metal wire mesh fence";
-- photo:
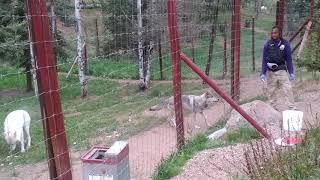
(94, 73)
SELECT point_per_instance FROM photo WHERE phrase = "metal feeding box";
(101, 163)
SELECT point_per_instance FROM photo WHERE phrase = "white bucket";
(292, 120)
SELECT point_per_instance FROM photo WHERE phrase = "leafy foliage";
(311, 56)
(13, 33)
(119, 21)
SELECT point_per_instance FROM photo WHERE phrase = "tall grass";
(302, 161)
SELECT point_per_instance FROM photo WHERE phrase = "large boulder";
(264, 114)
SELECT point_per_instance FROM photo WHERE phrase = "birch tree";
(140, 50)
(53, 19)
(33, 62)
(80, 51)
(145, 45)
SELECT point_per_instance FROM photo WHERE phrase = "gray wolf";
(195, 104)
(16, 129)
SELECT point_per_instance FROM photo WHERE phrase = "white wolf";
(16, 129)
(193, 103)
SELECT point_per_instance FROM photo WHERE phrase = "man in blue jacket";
(276, 64)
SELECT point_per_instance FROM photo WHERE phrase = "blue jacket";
(287, 56)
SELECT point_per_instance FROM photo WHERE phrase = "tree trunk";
(140, 48)
(97, 38)
(29, 77)
(53, 28)
(257, 5)
(148, 63)
(212, 38)
(33, 62)
(80, 47)
(256, 9)
(253, 46)
(53, 20)
(224, 55)
(160, 56)
(84, 51)
(193, 50)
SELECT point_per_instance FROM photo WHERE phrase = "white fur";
(263, 8)
(194, 103)
(217, 134)
(16, 129)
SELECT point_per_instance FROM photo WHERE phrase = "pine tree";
(14, 37)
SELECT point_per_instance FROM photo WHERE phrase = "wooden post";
(193, 50)
(160, 56)
(225, 70)
(49, 97)
(304, 39)
(212, 38)
(97, 38)
(253, 47)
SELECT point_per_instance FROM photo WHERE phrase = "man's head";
(276, 33)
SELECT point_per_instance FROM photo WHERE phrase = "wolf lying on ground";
(193, 103)
(16, 129)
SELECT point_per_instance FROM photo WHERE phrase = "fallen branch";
(69, 72)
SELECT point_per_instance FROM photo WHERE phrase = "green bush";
(311, 57)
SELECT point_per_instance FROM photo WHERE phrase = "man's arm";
(289, 58)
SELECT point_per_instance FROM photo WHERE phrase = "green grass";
(265, 23)
(105, 111)
(172, 166)
(11, 78)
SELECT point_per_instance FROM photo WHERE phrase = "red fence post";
(176, 69)
(280, 13)
(235, 50)
(51, 110)
(311, 8)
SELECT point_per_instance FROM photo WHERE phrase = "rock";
(264, 114)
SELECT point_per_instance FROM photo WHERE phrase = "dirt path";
(149, 147)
